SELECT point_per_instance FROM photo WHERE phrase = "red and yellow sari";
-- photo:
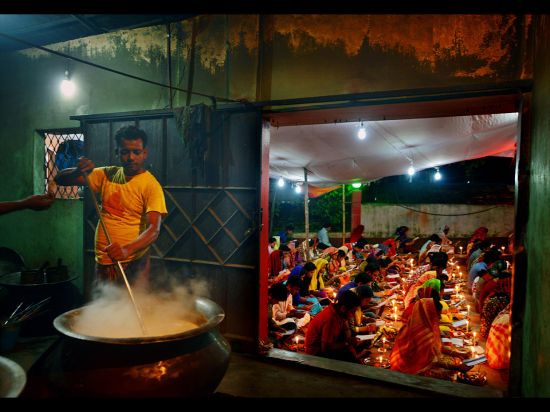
(418, 342)
(413, 289)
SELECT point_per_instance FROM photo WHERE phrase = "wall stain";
(454, 45)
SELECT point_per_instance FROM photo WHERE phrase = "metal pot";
(188, 364)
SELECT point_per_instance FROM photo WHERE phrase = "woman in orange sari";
(418, 343)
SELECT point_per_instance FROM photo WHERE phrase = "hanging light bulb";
(437, 175)
(298, 188)
(67, 86)
(281, 182)
(411, 170)
(356, 185)
(362, 132)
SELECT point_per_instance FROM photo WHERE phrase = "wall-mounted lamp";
(67, 86)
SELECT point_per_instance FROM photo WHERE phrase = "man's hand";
(39, 202)
(85, 165)
(117, 252)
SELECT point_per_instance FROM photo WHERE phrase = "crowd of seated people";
(331, 293)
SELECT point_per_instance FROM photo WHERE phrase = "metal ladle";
(119, 265)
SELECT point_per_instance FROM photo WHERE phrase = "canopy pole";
(272, 211)
(343, 214)
(306, 214)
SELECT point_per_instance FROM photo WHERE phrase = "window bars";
(62, 148)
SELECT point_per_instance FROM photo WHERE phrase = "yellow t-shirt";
(125, 205)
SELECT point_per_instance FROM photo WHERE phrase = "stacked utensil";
(28, 312)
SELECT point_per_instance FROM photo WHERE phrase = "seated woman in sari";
(491, 308)
(498, 342)
(418, 348)
(390, 247)
(500, 283)
(423, 253)
(406, 244)
(287, 258)
(309, 290)
(484, 277)
(337, 263)
(428, 292)
(418, 342)
(479, 235)
(494, 297)
(438, 264)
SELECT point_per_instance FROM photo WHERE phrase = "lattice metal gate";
(211, 232)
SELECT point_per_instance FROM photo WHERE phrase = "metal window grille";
(62, 149)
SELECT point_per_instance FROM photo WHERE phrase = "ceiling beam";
(90, 26)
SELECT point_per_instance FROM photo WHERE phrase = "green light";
(356, 185)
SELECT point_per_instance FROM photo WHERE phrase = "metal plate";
(12, 378)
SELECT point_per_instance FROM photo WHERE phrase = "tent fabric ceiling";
(332, 153)
(44, 29)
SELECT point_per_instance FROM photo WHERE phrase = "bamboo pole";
(343, 214)
(306, 214)
(272, 211)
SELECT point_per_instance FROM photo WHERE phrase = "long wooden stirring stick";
(119, 265)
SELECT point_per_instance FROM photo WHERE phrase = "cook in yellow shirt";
(125, 205)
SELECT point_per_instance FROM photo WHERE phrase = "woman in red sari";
(479, 235)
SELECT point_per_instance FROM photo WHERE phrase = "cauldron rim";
(204, 306)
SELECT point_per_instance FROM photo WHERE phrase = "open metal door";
(212, 184)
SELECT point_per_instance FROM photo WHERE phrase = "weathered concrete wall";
(536, 341)
(309, 55)
(381, 220)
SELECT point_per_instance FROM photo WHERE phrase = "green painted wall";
(536, 341)
(309, 55)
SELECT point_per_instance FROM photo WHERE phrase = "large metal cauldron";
(188, 364)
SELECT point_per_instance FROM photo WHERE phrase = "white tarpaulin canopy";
(332, 153)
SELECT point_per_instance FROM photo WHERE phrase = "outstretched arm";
(147, 237)
(74, 176)
(34, 202)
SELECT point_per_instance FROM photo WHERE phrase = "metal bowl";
(12, 378)
(208, 316)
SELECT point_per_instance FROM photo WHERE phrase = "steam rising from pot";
(166, 312)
